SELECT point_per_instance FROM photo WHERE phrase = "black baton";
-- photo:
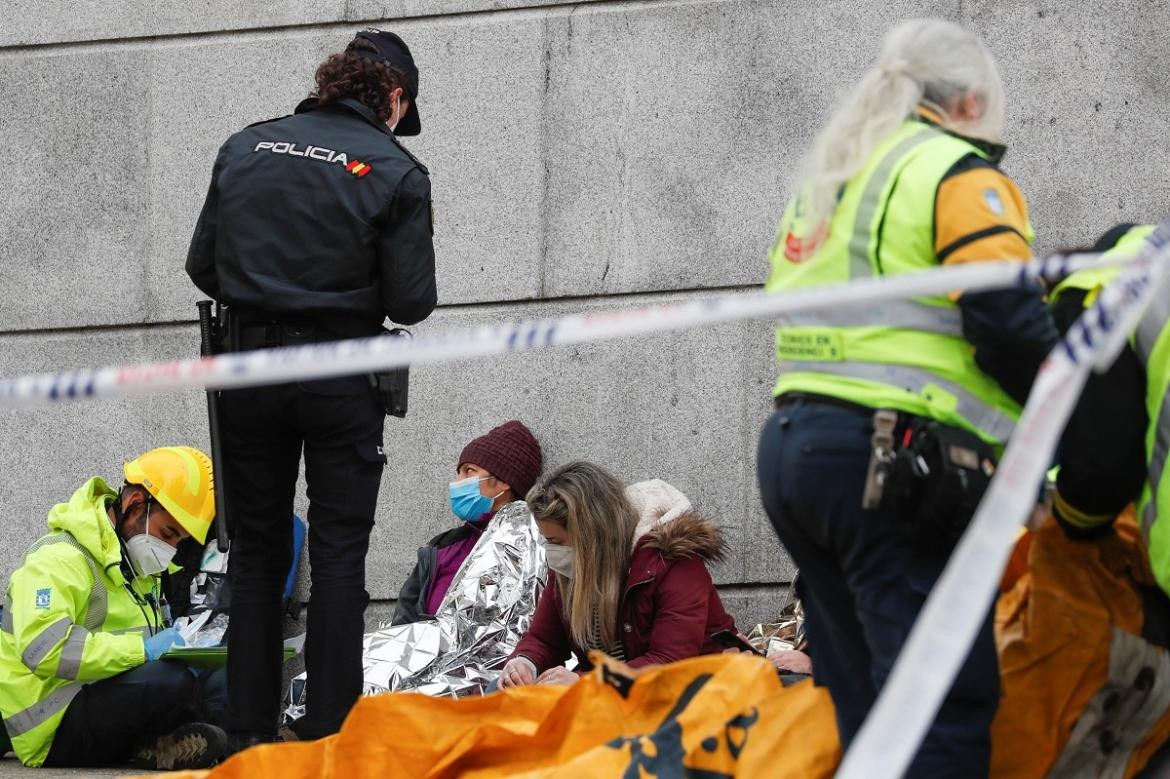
(206, 349)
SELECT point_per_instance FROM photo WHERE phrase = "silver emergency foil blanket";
(486, 610)
(786, 632)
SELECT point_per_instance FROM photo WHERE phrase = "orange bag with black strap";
(723, 715)
(1083, 693)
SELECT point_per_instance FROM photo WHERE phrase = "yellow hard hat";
(179, 477)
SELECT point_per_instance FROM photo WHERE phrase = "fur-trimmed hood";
(667, 522)
(687, 536)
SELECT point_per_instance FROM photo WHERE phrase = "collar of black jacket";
(362, 110)
(994, 151)
(359, 108)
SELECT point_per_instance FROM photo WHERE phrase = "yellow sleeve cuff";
(1076, 517)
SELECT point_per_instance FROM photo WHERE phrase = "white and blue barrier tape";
(956, 607)
(324, 360)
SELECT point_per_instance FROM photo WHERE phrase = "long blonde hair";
(591, 504)
(926, 62)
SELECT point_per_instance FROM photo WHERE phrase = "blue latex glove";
(160, 642)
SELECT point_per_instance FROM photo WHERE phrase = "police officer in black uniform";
(317, 227)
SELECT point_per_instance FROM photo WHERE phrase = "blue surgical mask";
(466, 500)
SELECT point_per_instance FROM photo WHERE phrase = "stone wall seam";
(243, 33)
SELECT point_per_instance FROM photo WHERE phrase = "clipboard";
(208, 656)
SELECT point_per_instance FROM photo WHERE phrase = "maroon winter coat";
(669, 610)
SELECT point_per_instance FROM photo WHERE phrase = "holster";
(393, 386)
(938, 476)
(227, 329)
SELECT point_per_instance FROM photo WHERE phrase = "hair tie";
(894, 67)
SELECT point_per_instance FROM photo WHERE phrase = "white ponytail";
(923, 61)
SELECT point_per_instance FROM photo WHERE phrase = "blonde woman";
(627, 577)
(903, 178)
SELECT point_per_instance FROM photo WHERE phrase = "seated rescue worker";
(493, 471)
(81, 683)
(628, 577)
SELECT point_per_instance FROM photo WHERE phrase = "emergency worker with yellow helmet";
(82, 630)
(874, 405)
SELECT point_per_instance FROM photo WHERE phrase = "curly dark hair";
(348, 75)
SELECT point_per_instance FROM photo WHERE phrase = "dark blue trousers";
(863, 581)
(107, 717)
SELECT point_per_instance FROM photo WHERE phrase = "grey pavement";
(10, 768)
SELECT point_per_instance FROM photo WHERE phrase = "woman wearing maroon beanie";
(492, 471)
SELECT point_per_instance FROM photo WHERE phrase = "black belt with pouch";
(244, 333)
(931, 473)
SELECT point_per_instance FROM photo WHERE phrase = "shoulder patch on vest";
(991, 196)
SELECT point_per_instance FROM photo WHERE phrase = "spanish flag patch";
(358, 168)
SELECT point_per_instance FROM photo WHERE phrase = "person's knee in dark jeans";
(107, 718)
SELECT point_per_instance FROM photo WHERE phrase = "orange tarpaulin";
(1082, 691)
(723, 714)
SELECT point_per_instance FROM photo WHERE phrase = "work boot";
(194, 745)
(238, 742)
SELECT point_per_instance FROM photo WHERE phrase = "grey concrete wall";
(584, 156)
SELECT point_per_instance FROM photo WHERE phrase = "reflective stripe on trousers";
(40, 712)
(985, 417)
(1121, 714)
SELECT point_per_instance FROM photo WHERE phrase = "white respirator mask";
(149, 556)
(559, 559)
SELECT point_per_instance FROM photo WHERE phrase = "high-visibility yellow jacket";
(1150, 343)
(911, 354)
(70, 617)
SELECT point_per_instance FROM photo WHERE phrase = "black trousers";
(106, 719)
(863, 582)
(338, 424)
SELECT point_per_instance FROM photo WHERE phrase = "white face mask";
(397, 113)
(559, 559)
(149, 556)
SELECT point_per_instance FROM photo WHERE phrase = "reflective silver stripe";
(6, 617)
(96, 611)
(95, 615)
(143, 629)
(38, 649)
(984, 416)
(1157, 466)
(1153, 321)
(70, 664)
(40, 712)
(1122, 713)
(867, 205)
(902, 314)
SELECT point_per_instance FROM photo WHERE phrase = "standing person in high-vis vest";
(902, 179)
(1114, 450)
(81, 683)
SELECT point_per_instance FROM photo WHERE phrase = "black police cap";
(394, 51)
